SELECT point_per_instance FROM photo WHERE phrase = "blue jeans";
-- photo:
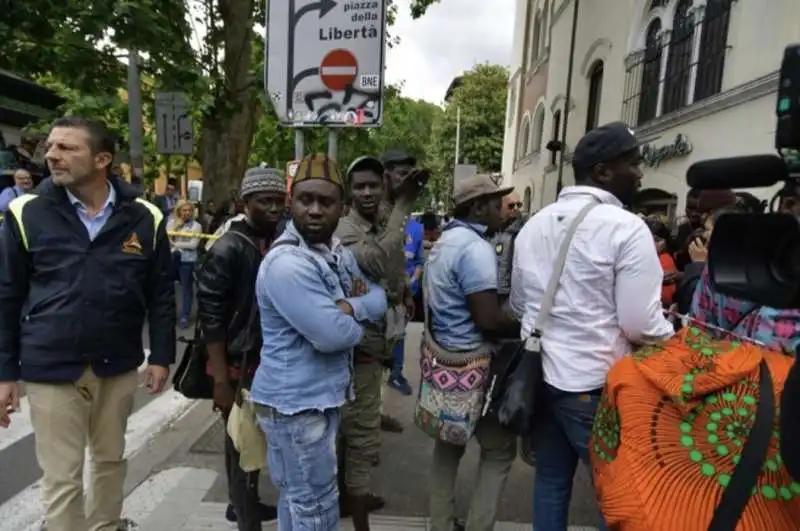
(186, 277)
(301, 454)
(561, 439)
(399, 354)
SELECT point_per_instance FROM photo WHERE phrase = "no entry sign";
(338, 70)
(325, 62)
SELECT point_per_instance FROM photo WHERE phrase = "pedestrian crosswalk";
(172, 500)
(23, 511)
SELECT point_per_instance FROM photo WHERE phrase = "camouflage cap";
(318, 166)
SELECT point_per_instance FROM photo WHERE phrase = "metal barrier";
(192, 235)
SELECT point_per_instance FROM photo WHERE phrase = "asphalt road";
(402, 476)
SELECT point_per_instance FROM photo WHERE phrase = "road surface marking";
(151, 493)
(24, 511)
(21, 425)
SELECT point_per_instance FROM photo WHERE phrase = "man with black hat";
(374, 247)
(228, 319)
(400, 179)
(608, 300)
(313, 302)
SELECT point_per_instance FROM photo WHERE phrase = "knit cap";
(260, 179)
(318, 166)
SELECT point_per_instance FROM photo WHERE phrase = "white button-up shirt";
(609, 296)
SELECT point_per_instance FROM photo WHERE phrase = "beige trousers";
(66, 418)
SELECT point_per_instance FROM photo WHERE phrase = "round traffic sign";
(338, 70)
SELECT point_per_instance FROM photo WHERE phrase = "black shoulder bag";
(517, 376)
(745, 475)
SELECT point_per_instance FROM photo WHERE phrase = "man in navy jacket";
(82, 263)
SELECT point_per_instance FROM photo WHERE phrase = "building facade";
(525, 157)
(696, 79)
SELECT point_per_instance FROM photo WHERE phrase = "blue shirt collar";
(336, 243)
(474, 226)
(110, 200)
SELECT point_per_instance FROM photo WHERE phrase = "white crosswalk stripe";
(23, 512)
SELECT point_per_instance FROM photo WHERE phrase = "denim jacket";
(307, 354)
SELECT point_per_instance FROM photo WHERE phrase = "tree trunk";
(227, 130)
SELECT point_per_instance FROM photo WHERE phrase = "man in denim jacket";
(312, 300)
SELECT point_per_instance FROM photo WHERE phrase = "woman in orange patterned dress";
(670, 430)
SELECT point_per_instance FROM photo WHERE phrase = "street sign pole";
(333, 144)
(299, 143)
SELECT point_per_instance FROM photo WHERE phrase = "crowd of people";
(301, 323)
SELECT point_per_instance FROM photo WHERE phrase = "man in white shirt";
(608, 300)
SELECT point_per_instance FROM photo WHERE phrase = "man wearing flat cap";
(378, 249)
(465, 316)
(228, 317)
(608, 300)
(314, 303)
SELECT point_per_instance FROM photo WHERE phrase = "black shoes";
(266, 513)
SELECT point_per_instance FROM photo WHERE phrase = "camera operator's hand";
(698, 251)
(413, 184)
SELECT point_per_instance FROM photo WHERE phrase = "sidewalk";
(172, 500)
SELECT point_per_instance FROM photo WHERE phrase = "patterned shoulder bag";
(452, 388)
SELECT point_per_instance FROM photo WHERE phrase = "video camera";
(757, 256)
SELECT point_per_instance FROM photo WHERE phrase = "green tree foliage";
(481, 98)
(419, 7)
(75, 48)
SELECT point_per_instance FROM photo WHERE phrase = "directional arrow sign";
(325, 61)
(174, 133)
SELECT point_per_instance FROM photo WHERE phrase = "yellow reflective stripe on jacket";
(158, 217)
(15, 207)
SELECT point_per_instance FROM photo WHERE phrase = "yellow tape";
(193, 235)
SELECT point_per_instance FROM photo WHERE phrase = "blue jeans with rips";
(301, 454)
(561, 440)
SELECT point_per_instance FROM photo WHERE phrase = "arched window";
(555, 135)
(595, 96)
(538, 129)
(651, 73)
(536, 38)
(713, 45)
(694, 64)
(679, 60)
(523, 147)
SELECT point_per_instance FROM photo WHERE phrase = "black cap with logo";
(604, 144)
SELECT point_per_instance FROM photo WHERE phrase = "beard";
(63, 178)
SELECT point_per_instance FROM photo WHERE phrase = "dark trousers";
(242, 488)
